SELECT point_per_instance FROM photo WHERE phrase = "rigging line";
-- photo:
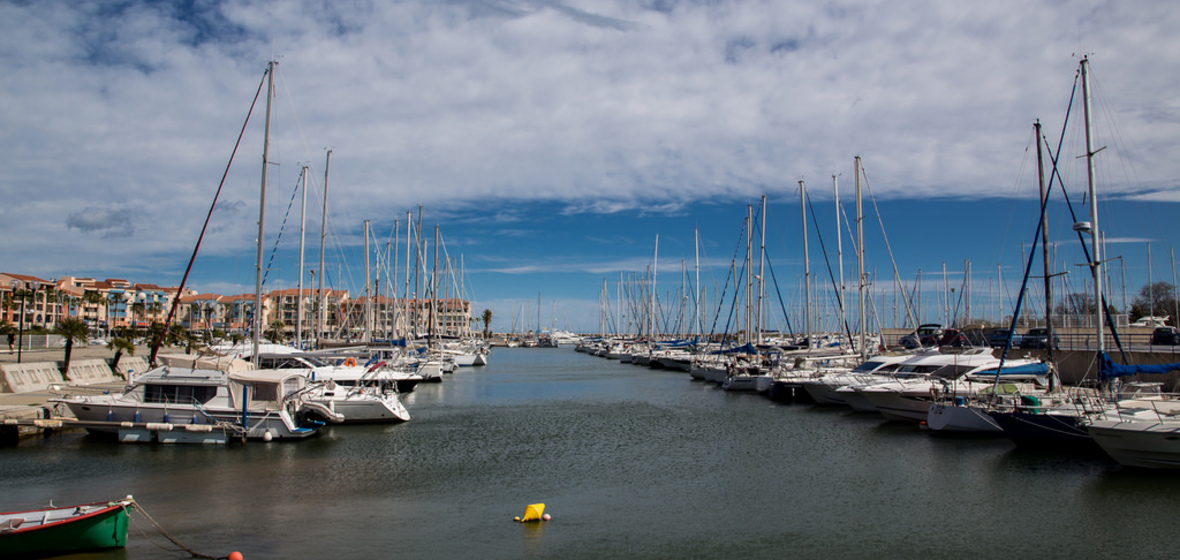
(282, 227)
(725, 289)
(1044, 202)
(897, 277)
(176, 301)
(294, 114)
(1004, 241)
(823, 248)
(1085, 250)
(779, 293)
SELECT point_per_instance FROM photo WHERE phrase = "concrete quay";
(28, 414)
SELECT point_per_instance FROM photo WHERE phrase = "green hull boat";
(60, 530)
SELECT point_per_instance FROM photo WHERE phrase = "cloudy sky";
(552, 141)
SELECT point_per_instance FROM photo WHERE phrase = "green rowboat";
(60, 530)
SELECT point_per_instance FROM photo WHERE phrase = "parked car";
(926, 335)
(1038, 337)
(954, 337)
(998, 337)
(1165, 336)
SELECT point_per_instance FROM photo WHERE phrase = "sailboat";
(202, 402)
(1140, 431)
(1137, 432)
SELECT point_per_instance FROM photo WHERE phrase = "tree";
(274, 333)
(487, 321)
(1158, 299)
(137, 310)
(178, 335)
(1078, 304)
(74, 330)
(120, 345)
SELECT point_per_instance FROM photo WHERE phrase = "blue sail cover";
(1107, 369)
(1038, 368)
(746, 349)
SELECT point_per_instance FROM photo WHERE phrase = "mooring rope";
(139, 509)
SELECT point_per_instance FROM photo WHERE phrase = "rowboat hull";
(56, 531)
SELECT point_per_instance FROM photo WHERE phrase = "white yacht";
(172, 404)
(908, 400)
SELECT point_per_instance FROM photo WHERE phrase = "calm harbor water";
(631, 463)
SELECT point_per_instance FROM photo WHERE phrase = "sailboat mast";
(368, 316)
(761, 266)
(321, 298)
(860, 263)
(655, 261)
(257, 326)
(696, 237)
(806, 265)
(299, 284)
(839, 248)
(406, 289)
(1045, 244)
(1096, 266)
(749, 323)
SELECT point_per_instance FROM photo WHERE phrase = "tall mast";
(434, 289)
(257, 326)
(749, 324)
(761, 266)
(860, 263)
(1045, 244)
(696, 238)
(806, 265)
(406, 290)
(299, 284)
(839, 247)
(368, 317)
(655, 261)
(321, 297)
(1096, 266)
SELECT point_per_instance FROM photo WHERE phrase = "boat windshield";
(918, 368)
(182, 394)
(870, 365)
(952, 371)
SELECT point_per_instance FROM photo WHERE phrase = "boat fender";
(349, 362)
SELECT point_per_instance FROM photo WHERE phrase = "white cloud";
(597, 104)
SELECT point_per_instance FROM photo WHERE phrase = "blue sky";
(552, 141)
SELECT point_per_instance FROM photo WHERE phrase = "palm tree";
(178, 335)
(74, 330)
(487, 320)
(137, 310)
(275, 333)
(120, 345)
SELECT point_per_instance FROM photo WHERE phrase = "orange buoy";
(235, 555)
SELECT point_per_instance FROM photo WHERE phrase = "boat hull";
(101, 529)
(1037, 430)
(1155, 446)
(946, 418)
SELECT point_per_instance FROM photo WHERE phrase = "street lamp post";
(29, 288)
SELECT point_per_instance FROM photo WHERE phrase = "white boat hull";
(961, 419)
(1139, 444)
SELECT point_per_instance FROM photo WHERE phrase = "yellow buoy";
(533, 512)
